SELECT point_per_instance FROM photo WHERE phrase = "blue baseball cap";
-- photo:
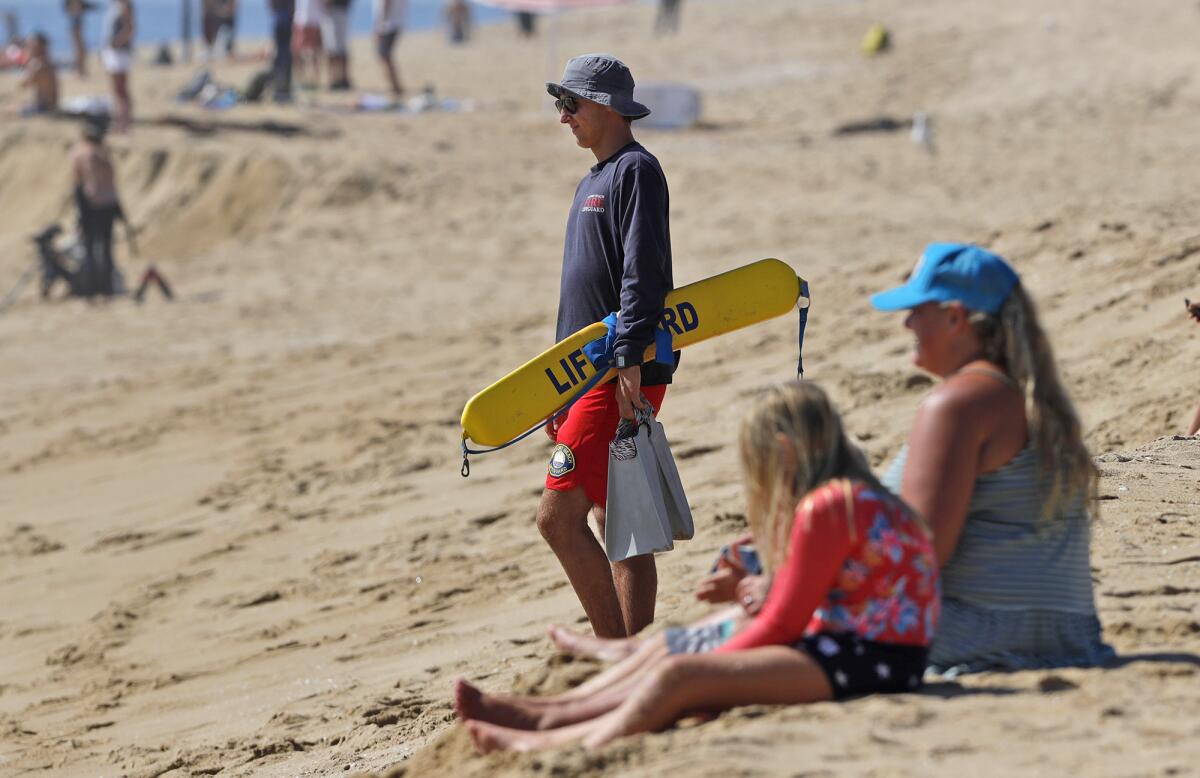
(947, 272)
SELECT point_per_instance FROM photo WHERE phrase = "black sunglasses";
(566, 103)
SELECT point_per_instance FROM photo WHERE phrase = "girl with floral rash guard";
(851, 611)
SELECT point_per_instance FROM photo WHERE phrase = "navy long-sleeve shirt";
(617, 255)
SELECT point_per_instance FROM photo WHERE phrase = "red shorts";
(580, 457)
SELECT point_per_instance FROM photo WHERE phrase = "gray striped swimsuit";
(1017, 593)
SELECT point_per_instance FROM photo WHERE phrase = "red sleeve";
(820, 543)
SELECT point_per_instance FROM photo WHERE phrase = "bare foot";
(473, 704)
(605, 649)
(490, 737)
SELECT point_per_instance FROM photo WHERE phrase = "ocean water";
(160, 20)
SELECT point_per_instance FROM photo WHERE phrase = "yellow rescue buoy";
(693, 313)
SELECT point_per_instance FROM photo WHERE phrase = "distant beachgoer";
(616, 257)
(852, 610)
(99, 207)
(526, 23)
(75, 10)
(307, 42)
(335, 32)
(210, 23)
(117, 56)
(283, 14)
(40, 77)
(458, 21)
(228, 25)
(667, 19)
(1194, 311)
(389, 24)
(997, 463)
(217, 15)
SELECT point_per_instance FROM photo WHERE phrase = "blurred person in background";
(335, 33)
(40, 77)
(526, 23)
(458, 21)
(117, 56)
(217, 15)
(389, 24)
(75, 9)
(228, 24)
(99, 207)
(283, 14)
(667, 19)
(306, 43)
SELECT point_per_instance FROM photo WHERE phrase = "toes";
(466, 699)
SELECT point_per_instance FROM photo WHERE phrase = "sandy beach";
(233, 535)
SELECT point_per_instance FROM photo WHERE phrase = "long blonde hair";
(1015, 340)
(775, 481)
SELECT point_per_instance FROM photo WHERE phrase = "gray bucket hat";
(601, 78)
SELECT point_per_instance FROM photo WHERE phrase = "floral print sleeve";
(859, 562)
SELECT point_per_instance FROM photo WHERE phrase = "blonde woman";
(852, 609)
(996, 462)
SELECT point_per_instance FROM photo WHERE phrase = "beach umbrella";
(551, 8)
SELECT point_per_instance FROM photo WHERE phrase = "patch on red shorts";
(562, 461)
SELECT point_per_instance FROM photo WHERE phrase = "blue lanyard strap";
(803, 325)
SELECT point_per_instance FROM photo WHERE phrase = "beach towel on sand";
(647, 509)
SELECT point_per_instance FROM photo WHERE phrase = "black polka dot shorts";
(855, 666)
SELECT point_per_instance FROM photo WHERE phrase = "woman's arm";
(943, 463)
(820, 543)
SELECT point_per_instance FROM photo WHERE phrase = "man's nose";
(564, 117)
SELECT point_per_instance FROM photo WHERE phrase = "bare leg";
(772, 675)
(615, 649)
(80, 51)
(598, 695)
(562, 520)
(636, 581)
(123, 106)
(604, 649)
(393, 75)
(538, 713)
(636, 663)
(1195, 426)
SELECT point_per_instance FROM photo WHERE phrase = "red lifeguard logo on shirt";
(593, 204)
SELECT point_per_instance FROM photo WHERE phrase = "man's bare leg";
(636, 582)
(562, 520)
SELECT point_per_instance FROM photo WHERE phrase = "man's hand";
(629, 391)
(552, 425)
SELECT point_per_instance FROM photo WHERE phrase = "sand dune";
(233, 535)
